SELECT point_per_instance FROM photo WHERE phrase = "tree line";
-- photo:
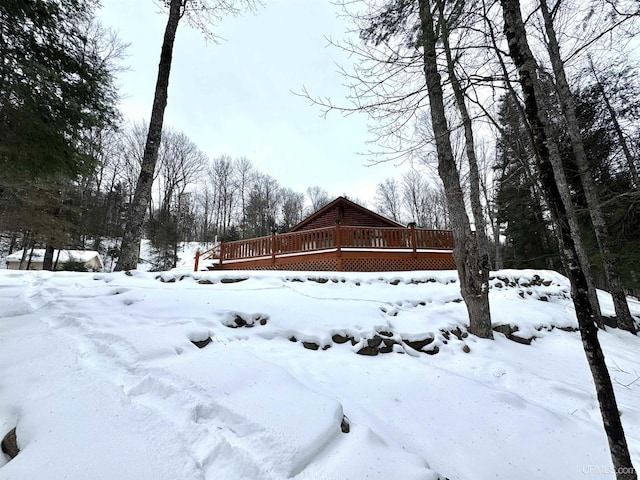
(194, 198)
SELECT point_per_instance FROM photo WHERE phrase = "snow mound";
(306, 375)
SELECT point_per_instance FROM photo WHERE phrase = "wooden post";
(412, 226)
(195, 266)
(273, 246)
(221, 253)
(338, 245)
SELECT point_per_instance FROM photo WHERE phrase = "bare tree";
(472, 270)
(132, 139)
(449, 21)
(244, 172)
(261, 215)
(181, 163)
(527, 67)
(202, 14)
(423, 203)
(292, 208)
(318, 197)
(388, 199)
(588, 184)
(225, 193)
(204, 215)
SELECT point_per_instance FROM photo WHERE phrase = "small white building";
(62, 259)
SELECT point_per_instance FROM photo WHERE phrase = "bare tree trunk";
(616, 126)
(32, 248)
(26, 244)
(474, 279)
(130, 248)
(609, 260)
(572, 218)
(470, 148)
(564, 193)
(528, 70)
(47, 261)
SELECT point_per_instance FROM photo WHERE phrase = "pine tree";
(55, 85)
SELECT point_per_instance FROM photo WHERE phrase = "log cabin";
(341, 236)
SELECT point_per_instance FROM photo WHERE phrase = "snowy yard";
(307, 376)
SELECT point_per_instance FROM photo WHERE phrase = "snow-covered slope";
(307, 376)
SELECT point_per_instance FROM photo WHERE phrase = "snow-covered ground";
(307, 376)
(186, 254)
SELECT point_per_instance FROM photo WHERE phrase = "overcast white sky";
(236, 97)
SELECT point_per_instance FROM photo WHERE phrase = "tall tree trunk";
(616, 126)
(130, 248)
(12, 243)
(470, 148)
(572, 218)
(564, 192)
(26, 244)
(601, 230)
(32, 248)
(47, 261)
(474, 278)
(528, 70)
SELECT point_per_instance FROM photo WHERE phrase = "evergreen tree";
(615, 183)
(55, 85)
(520, 210)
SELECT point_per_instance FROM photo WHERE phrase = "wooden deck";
(338, 248)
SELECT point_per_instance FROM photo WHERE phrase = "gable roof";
(342, 204)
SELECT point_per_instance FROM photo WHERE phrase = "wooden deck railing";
(331, 238)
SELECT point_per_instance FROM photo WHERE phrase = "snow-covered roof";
(65, 256)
